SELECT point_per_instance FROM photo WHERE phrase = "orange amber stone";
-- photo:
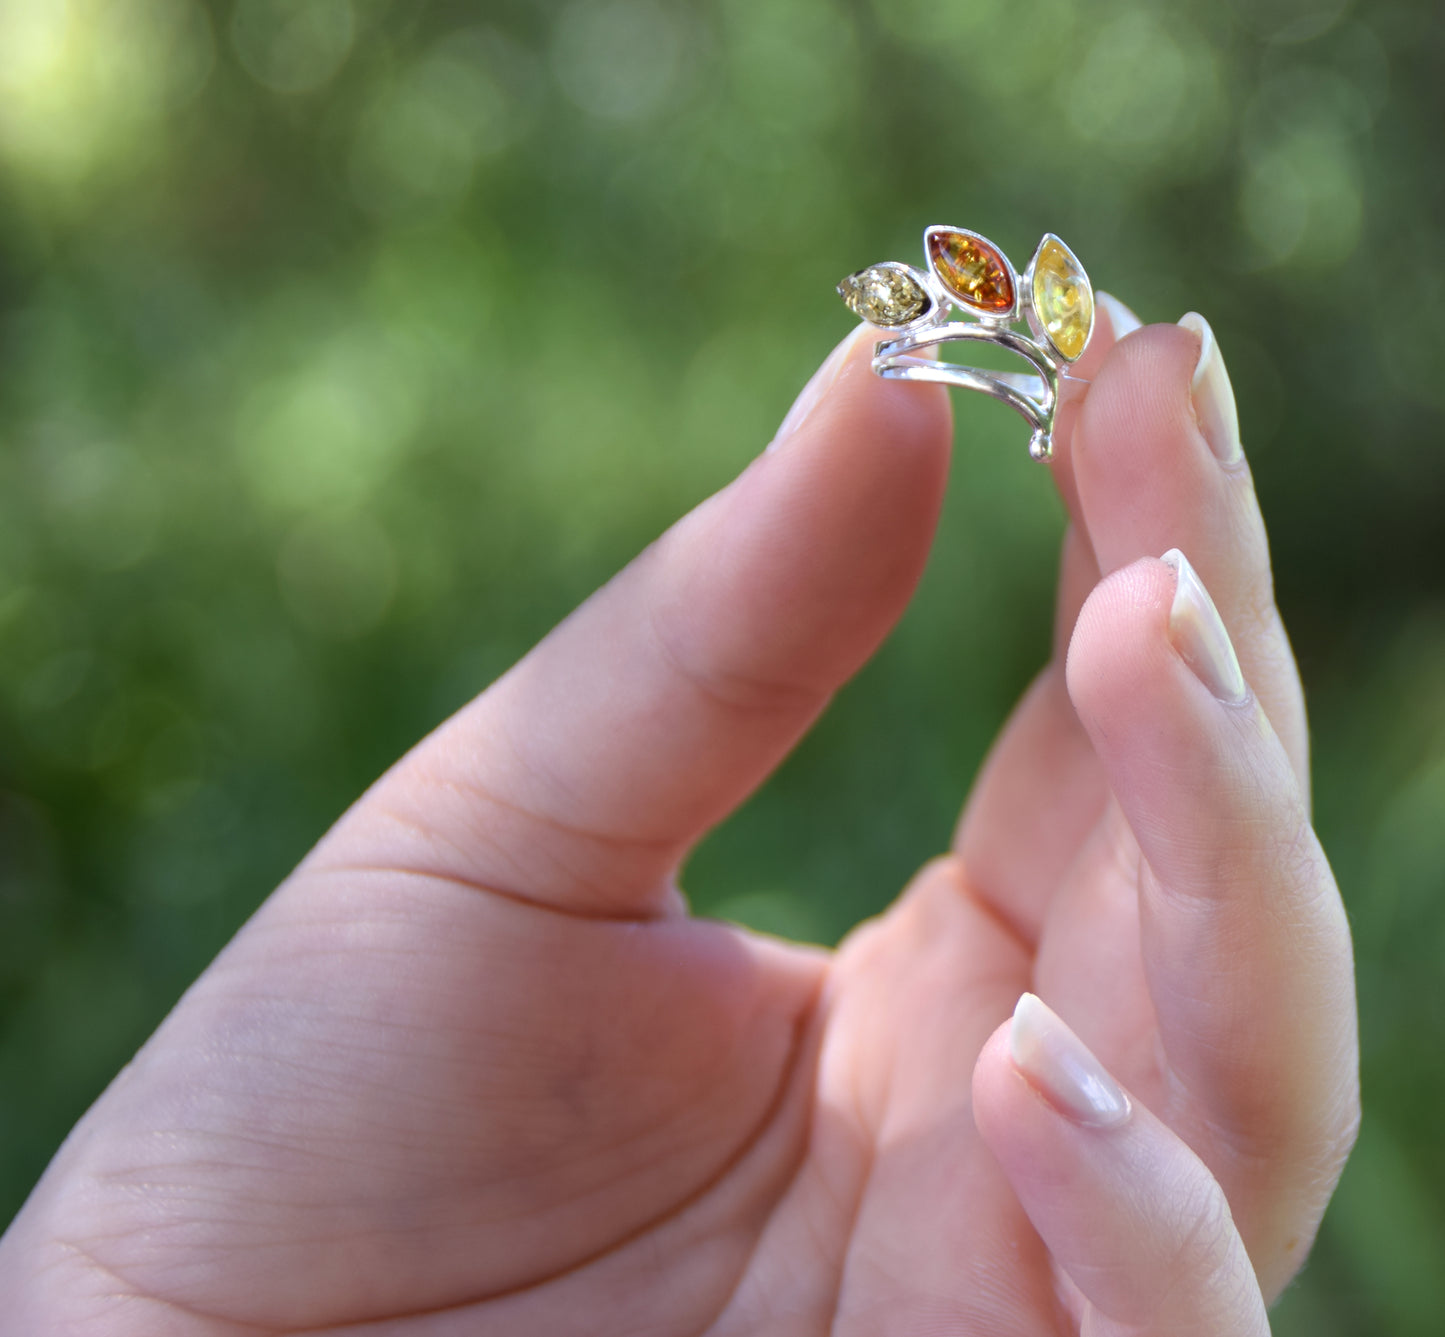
(975, 274)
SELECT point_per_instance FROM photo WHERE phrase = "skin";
(472, 1069)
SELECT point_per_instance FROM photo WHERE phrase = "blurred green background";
(345, 345)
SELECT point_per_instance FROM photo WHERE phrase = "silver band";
(968, 273)
(1034, 398)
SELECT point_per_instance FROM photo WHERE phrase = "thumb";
(581, 778)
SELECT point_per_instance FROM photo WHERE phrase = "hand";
(472, 1068)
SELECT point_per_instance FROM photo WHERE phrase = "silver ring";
(969, 273)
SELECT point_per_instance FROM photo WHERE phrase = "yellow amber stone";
(884, 296)
(1062, 297)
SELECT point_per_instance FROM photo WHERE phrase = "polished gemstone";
(1062, 297)
(884, 296)
(975, 273)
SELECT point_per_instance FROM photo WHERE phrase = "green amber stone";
(883, 296)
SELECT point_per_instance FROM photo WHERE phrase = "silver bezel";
(1036, 324)
(993, 318)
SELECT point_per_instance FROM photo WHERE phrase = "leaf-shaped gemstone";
(1063, 298)
(974, 271)
(883, 295)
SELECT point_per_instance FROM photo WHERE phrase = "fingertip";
(1130, 1214)
(835, 524)
(1138, 409)
(910, 415)
(845, 388)
(821, 382)
(1113, 321)
(1036, 1089)
(1137, 461)
(864, 443)
(1120, 642)
(1011, 1116)
(993, 1071)
(1122, 320)
(1034, 1081)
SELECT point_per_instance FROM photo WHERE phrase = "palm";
(793, 1135)
(472, 1070)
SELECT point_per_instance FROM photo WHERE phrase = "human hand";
(472, 1069)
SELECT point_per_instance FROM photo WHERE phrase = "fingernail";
(1199, 634)
(817, 387)
(1121, 319)
(1059, 1065)
(1212, 393)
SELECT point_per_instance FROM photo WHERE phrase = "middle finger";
(1156, 463)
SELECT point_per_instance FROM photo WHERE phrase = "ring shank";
(905, 367)
(1034, 397)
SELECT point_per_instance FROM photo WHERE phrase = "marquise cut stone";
(884, 296)
(974, 272)
(1063, 298)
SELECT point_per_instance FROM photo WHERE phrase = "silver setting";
(907, 354)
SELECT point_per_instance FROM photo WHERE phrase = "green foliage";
(346, 344)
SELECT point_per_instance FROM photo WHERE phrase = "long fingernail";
(1199, 634)
(817, 387)
(1212, 393)
(1059, 1064)
(1121, 319)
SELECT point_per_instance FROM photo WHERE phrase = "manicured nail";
(1121, 318)
(817, 387)
(1199, 634)
(1058, 1064)
(1213, 394)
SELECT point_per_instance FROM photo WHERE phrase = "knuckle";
(732, 689)
(1256, 607)
(1299, 861)
(1206, 1245)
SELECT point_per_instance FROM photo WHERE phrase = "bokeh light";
(292, 46)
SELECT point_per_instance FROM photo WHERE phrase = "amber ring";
(969, 273)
